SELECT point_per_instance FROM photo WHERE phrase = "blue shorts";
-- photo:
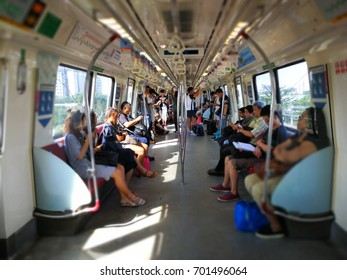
(140, 139)
(190, 113)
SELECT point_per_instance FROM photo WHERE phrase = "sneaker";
(229, 197)
(220, 188)
(192, 133)
(266, 232)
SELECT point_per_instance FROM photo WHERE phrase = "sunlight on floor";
(102, 241)
(165, 143)
(142, 249)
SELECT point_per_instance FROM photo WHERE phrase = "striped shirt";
(259, 128)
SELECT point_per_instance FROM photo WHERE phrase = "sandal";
(128, 203)
(138, 201)
(151, 175)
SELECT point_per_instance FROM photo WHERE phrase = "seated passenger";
(125, 121)
(76, 147)
(129, 123)
(255, 134)
(233, 165)
(109, 141)
(159, 126)
(112, 133)
(312, 137)
(198, 128)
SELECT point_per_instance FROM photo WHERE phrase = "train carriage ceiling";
(195, 41)
(200, 24)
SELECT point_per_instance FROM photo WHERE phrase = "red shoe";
(220, 188)
(229, 197)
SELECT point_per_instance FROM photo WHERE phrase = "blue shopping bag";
(248, 216)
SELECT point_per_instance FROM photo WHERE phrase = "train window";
(103, 93)
(294, 91)
(263, 87)
(68, 95)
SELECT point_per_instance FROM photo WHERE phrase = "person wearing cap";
(76, 147)
(259, 129)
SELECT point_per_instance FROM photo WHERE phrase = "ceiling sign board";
(25, 13)
(89, 42)
(245, 57)
(187, 53)
(333, 10)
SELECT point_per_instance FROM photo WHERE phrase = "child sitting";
(158, 125)
(198, 128)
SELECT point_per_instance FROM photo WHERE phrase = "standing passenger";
(191, 109)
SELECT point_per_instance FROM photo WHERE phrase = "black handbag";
(105, 157)
(140, 130)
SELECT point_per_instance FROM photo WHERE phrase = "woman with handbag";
(109, 142)
(312, 137)
(76, 147)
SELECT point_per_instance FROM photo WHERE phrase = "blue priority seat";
(303, 197)
(306, 188)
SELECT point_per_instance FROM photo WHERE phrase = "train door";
(233, 102)
(239, 92)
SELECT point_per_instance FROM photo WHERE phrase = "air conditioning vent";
(185, 20)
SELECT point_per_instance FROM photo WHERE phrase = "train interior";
(288, 53)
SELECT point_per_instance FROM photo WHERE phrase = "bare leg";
(189, 122)
(143, 171)
(144, 147)
(126, 195)
(138, 150)
(119, 180)
(128, 176)
(226, 179)
(234, 175)
(274, 223)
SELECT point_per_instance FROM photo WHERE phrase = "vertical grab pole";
(222, 109)
(182, 126)
(273, 105)
(87, 109)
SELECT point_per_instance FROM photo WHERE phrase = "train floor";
(179, 220)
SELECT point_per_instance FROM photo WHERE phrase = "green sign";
(266, 67)
(49, 25)
(97, 69)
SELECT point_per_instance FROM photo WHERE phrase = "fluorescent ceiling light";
(115, 26)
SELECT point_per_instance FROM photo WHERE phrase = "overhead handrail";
(222, 109)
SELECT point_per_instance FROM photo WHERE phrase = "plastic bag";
(248, 216)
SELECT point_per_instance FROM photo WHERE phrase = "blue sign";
(245, 57)
(45, 104)
(319, 86)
